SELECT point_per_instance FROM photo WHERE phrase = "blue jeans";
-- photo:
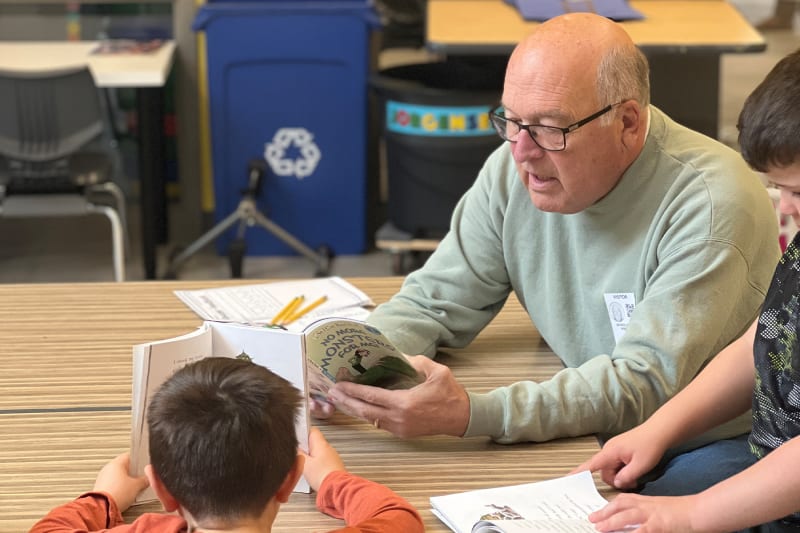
(773, 527)
(696, 470)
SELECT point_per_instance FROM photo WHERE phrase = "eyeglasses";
(550, 138)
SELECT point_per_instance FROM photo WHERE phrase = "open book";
(326, 351)
(562, 504)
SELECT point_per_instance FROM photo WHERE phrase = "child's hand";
(114, 479)
(321, 460)
(625, 458)
(647, 513)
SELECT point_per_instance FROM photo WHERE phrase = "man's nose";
(526, 148)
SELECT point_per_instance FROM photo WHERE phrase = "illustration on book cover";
(347, 350)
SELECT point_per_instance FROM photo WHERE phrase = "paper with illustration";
(556, 505)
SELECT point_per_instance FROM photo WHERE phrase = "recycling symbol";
(303, 142)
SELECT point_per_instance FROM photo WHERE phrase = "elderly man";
(638, 247)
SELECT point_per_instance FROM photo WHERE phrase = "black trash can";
(438, 135)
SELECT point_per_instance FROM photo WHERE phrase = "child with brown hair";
(223, 453)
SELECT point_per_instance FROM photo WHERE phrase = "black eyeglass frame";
(527, 127)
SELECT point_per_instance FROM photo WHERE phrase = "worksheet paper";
(258, 304)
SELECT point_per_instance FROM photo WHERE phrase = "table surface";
(475, 26)
(108, 70)
(65, 373)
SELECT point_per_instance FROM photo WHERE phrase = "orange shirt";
(366, 507)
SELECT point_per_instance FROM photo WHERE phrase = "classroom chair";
(57, 156)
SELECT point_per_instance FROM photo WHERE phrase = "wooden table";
(683, 39)
(147, 73)
(65, 367)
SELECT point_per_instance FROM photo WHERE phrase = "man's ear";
(165, 497)
(632, 126)
(290, 481)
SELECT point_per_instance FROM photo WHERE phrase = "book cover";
(541, 10)
(351, 350)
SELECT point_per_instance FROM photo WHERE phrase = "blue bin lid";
(208, 12)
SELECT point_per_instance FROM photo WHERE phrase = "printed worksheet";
(258, 304)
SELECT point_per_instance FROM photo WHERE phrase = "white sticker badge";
(620, 306)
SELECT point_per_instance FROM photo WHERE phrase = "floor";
(79, 249)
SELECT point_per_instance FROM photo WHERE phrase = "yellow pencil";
(287, 310)
(302, 312)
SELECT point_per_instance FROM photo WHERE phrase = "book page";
(350, 350)
(153, 363)
(556, 505)
(281, 352)
(566, 525)
(278, 350)
(257, 304)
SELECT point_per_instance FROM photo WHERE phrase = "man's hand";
(626, 457)
(650, 514)
(437, 406)
(114, 479)
(321, 459)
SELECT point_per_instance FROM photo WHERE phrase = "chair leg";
(116, 240)
(119, 201)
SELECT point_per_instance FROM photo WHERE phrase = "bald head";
(584, 53)
(579, 37)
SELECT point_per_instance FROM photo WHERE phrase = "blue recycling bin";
(288, 82)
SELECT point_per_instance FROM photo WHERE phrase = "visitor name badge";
(620, 306)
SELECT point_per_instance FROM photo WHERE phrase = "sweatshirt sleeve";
(464, 283)
(366, 506)
(93, 511)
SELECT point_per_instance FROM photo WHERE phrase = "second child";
(761, 369)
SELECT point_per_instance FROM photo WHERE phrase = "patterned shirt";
(776, 396)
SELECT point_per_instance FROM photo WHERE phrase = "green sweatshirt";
(688, 234)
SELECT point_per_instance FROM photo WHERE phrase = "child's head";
(769, 124)
(222, 438)
(769, 131)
